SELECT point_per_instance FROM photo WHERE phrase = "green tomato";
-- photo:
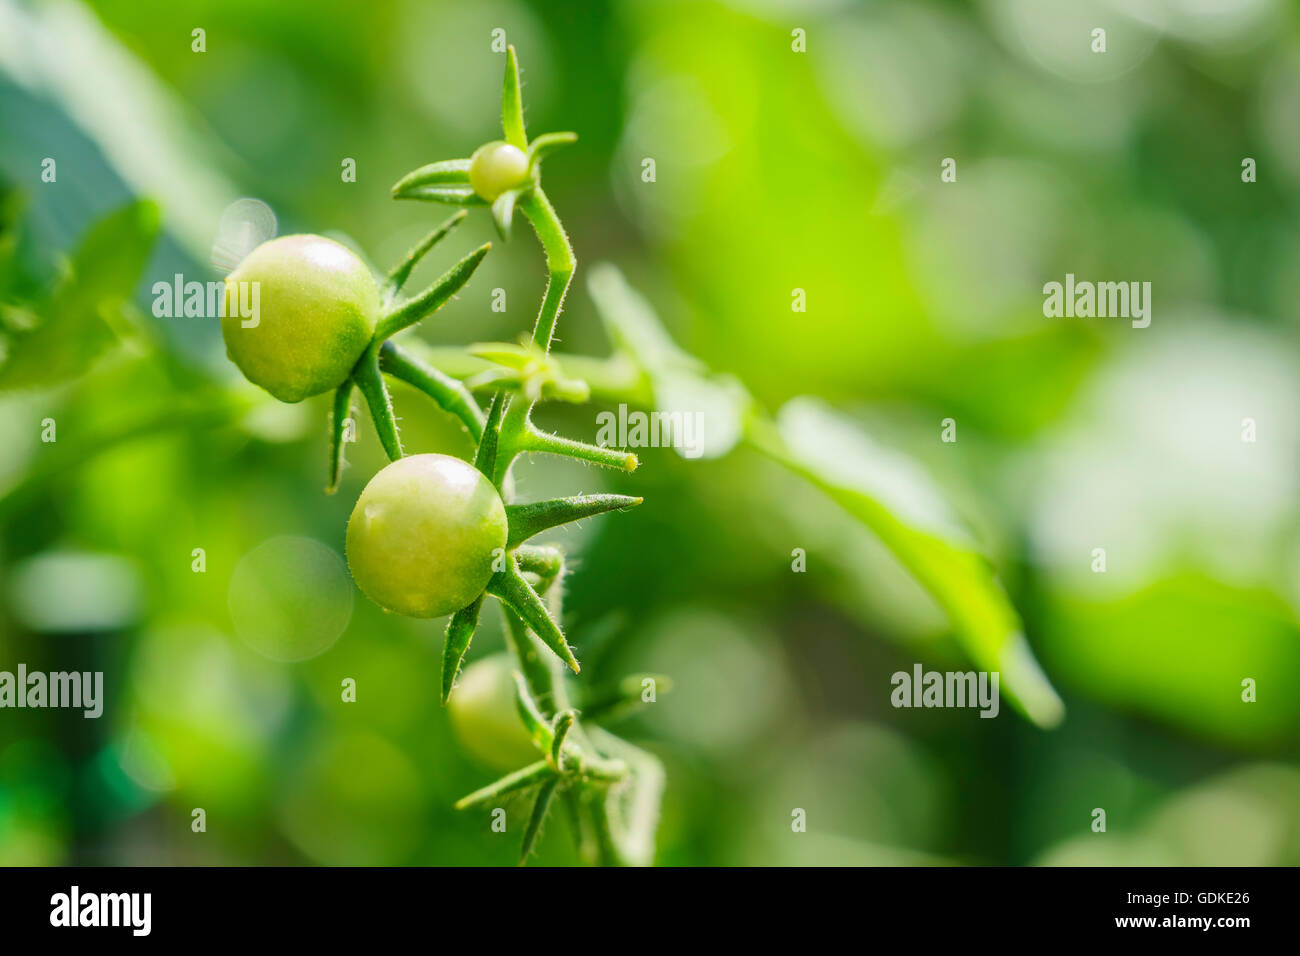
(316, 308)
(484, 718)
(424, 534)
(496, 167)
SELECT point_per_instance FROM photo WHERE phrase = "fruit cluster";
(432, 535)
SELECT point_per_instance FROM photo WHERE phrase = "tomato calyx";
(502, 174)
(382, 355)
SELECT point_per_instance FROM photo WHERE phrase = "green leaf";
(77, 320)
(706, 412)
(892, 495)
(512, 107)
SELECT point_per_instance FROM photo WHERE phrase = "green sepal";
(442, 174)
(512, 107)
(521, 779)
(448, 195)
(541, 807)
(503, 212)
(485, 458)
(518, 357)
(545, 562)
(338, 424)
(511, 588)
(527, 370)
(537, 726)
(460, 631)
(371, 382)
(402, 271)
(432, 298)
(546, 144)
(535, 517)
(536, 440)
(560, 731)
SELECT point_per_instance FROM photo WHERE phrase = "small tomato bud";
(496, 167)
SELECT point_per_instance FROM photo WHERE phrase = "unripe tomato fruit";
(496, 167)
(484, 718)
(422, 535)
(317, 308)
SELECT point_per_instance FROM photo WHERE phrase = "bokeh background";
(775, 170)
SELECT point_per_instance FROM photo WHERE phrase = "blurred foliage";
(776, 170)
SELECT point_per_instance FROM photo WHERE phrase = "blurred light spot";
(729, 683)
(781, 10)
(446, 53)
(979, 253)
(60, 592)
(1247, 817)
(896, 75)
(1102, 117)
(670, 120)
(861, 781)
(1279, 114)
(188, 682)
(245, 224)
(1226, 26)
(290, 598)
(17, 439)
(276, 422)
(117, 794)
(1153, 468)
(356, 801)
(143, 763)
(1057, 35)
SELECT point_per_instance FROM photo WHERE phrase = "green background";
(775, 170)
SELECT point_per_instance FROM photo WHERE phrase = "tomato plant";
(432, 535)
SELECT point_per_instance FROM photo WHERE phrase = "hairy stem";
(559, 261)
(450, 395)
